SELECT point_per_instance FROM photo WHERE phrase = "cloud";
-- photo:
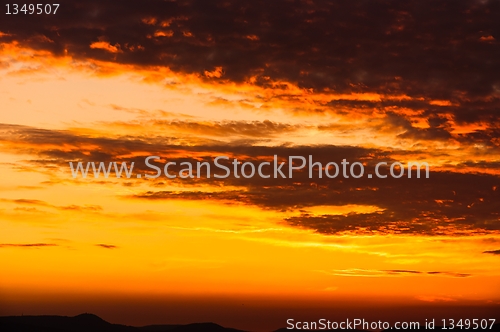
(409, 50)
(444, 204)
(106, 246)
(103, 45)
(402, 211)
(231, 128)
(23, 201)
(493, 252)
(296, 43)
(27, 245)
(431, 298)
(216, 129)
(89, 208)
(446, 274)
(450, 96)
(381, 273)
(83, 208)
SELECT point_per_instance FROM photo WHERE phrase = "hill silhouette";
(92, 323)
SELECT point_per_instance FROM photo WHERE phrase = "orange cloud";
(163, 33)
(103, 45)
(216, 73)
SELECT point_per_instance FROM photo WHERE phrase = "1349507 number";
(31, 9)
(468, 324)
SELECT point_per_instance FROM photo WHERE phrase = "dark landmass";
(93, 323)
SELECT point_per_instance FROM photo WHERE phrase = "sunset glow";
(248, 253)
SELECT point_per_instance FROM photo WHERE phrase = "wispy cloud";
(27, 245)
(432, 298)
(382, 273)
(106, 246)
(83, 208)
(493, 252)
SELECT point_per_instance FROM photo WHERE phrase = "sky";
(366, 81)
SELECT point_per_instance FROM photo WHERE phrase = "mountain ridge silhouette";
(88, 322)
(92, 323)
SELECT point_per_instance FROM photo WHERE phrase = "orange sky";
(244, 253)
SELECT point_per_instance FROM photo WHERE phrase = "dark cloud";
(88, 208)
(447, 274)
(23, 201)
(443, 50)
(83, 208)
(80, 208)
(448, 203)
(445, 204)
(247, 129)
(258, 129)
(493, 252)
(111, 149)
(377, 273)
(106, 246)
(27, 245)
